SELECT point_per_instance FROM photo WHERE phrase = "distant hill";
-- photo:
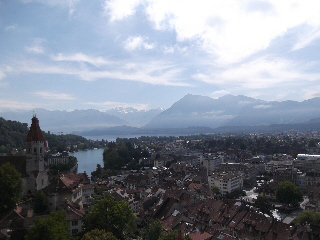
(192, 113)
(134, 117)
(196, 110)
(233, 111)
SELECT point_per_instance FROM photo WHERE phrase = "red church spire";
(34, 133)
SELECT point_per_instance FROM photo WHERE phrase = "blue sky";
(74, 54)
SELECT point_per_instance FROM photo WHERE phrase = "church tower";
(35, 144)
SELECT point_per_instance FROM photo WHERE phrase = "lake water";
(88, 160)
(113, 138)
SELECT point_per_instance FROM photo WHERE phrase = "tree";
(263, 204)
(308, 217)
(110, 215)
(171, 235)
(289, 193)
(11, 186)
(40, 202)
(155, 230)
(54, 227)
(97, 234)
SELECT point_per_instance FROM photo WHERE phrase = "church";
(31, 166)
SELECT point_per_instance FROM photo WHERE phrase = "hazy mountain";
(66, 122)
(286, 112)
(195, 110)
(134, 117)
(192, 113)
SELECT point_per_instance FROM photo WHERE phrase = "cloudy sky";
(81, 54)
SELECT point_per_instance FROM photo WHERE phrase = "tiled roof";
(200, 235)
(34, 133)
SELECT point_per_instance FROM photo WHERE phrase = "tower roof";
(34, 133)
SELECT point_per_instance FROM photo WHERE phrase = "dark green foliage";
(12, 135)
(117, 155)
(170, 235)
(308, 217)
(61, 167)
(54, 227)
(110, 215)
(40, 202)
(97, 234)
(11, 187)
(289, 193)
(155, 230)
(263, 204)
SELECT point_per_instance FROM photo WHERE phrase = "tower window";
(40, 150)
(35, 150)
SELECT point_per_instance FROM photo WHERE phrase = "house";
(66, 187)
(74, 216)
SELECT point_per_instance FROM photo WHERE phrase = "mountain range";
(191, 114)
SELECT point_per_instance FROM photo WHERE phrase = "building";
(68, 187)
(31, 167)
(285, 174)
(313, 178)
(211, 161)
(226, 182)
(56, 158)
(247, 171)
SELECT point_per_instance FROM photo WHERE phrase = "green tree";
(97, 234)
(171, 235)
(155, 230)
(11, 187)
(110, 215)
(40, 202)
(54, 227)
(289, 193)
(312, 143)
(308, 217)
(263, 204)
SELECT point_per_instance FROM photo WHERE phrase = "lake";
(113, 138)
(88, 160)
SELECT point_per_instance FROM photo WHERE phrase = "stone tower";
(35, 145)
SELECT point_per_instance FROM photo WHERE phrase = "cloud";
(133, 43)
(261, 73)
(52, 95)
(230, 30)
(15, 105)
(306, 38)
(152, 72)
(108, 105)
(53, 3)
(217, 94)
(262, 106)
(12, 27)
(36, 47)
(80, 57)
(119, 9)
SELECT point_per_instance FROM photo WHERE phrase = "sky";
(146, 54)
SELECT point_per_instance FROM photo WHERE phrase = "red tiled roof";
(34, 133)
(199, 235)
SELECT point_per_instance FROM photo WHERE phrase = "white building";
(56, 158)
(211, 161)
(226, 182)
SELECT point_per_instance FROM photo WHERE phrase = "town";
(257, 186)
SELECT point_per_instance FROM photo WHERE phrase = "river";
(88, 160)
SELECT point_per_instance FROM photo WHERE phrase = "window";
(75, 223)
(74, 231)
